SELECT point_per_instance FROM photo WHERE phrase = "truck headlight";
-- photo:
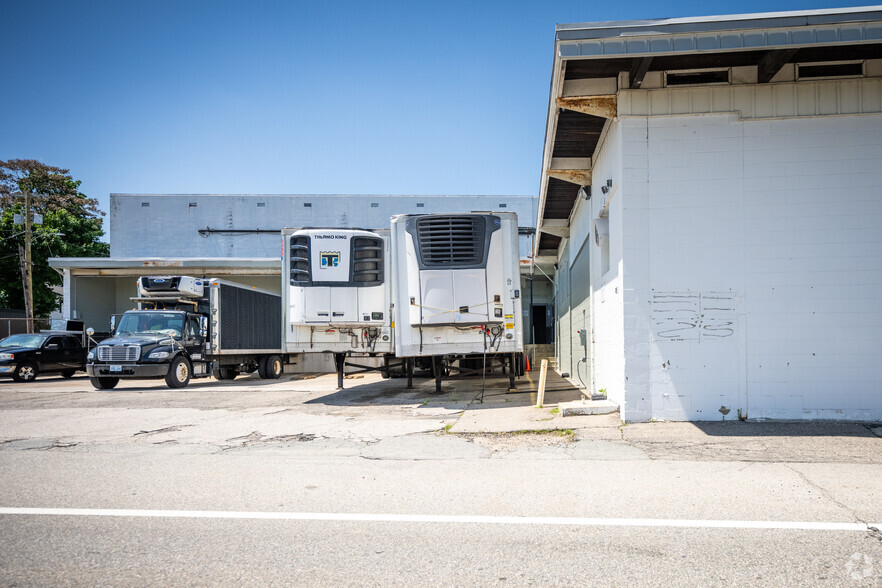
(7, 356)
(158, 354)
(91, 356)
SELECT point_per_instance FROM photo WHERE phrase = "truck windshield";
(169, 323)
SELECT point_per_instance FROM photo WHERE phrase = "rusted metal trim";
(602, 106)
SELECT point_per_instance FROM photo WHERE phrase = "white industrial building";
(238, 237)
(711, 199)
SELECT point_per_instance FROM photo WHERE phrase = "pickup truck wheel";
(26, 371)
(104, 383)
(68, 373)
(226, 373)
(178, 373)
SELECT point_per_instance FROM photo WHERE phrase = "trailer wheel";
(104, 383)
(270, 368)
(178, 375)
(226, 372)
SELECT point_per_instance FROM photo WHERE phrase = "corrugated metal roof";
(595, 30)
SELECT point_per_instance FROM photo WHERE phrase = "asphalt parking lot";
(471, 416)
(379, 484)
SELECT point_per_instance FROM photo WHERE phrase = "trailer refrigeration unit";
(188, 327)
(337, 295)
(456, 292)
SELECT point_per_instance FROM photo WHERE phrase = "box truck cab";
(188, 327)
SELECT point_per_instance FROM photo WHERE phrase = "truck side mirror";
(203, 326)
(112, 323)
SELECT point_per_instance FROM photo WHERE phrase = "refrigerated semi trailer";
(456, 291)
(337, 297)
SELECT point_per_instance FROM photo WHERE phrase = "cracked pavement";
(299, 445)
(379, 419)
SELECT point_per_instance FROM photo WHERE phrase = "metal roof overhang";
(594, 51)
(137, 266)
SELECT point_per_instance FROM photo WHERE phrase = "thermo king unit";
(336, 294)
(456, 291)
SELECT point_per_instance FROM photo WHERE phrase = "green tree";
(71, 227)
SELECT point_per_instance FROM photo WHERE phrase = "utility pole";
(29, 280)
(24, 253)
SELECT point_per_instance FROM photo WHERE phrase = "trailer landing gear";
(339, 361)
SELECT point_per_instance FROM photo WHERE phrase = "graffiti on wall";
(693, 316)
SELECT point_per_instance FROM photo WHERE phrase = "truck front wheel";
(104, 383)
(178, 373)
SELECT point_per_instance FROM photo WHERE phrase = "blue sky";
(293, 97)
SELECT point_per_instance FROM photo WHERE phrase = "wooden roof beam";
(771, 63)
(557, 227)
(604, 106)
(575, 170)
(638, 72)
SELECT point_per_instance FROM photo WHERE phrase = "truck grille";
(451, 240)
(118, 353)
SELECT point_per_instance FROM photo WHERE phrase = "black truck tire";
(179, 371)
(68, 373)
(26, 371)
(270, 367)
(226, 372)
(104, 383)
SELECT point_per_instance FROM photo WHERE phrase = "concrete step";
(583, 407)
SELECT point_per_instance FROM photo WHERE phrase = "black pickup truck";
(25, 355)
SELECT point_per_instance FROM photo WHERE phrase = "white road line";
(461, 519)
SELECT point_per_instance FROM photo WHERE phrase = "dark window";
(830, 70)
(145, 204)
(375, 204)
(261, 205)
(193, 326)
(697, 77)
(71, 343)
(503, 205)
(307, 204)
(420, 205)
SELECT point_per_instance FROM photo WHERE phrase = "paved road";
(303, 453)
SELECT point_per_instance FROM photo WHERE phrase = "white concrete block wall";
(169, 224)
(767, 236)
(607, 345)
